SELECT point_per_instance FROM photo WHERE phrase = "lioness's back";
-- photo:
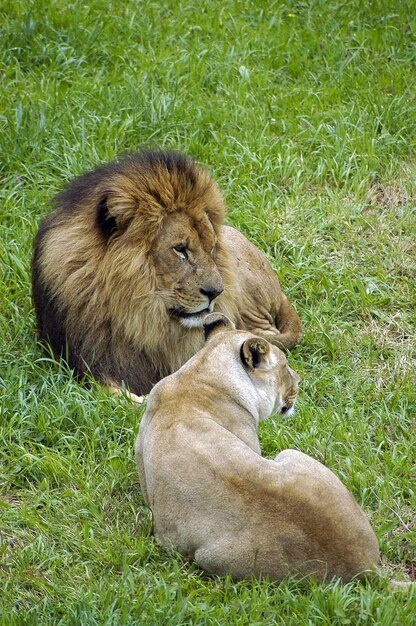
(215, 498)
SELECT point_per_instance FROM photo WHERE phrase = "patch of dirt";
(10, 499)
(387, 196)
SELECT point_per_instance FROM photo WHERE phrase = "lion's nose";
(211, 292)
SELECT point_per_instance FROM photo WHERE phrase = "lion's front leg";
(116, 390)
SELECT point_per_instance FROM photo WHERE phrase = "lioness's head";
(265, 364)
(161, 214)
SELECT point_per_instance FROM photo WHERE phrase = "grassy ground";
(305, 114)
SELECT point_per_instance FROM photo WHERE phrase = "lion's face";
(187, 277)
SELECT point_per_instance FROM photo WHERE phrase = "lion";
(133, 257)
(215, 499)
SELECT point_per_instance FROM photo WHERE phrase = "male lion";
(215, 498)
(132, 258)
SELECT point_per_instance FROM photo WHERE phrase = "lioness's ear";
(215, 322)
(254, 352)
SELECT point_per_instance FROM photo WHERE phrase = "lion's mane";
(93, 280)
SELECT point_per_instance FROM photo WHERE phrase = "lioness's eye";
(213, 251)
(181, 251)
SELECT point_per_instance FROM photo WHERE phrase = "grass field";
(305, 113)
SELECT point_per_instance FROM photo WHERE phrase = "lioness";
(215, 499)
(130, 261)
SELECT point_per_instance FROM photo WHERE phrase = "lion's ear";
(254, 353)
(215, 322)
(115, 211)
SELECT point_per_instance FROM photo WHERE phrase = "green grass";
(305, 112)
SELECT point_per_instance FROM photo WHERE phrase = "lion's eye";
(181, 251)
(213, 251)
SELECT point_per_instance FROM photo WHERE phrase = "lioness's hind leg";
(221, 557)
(297, 459)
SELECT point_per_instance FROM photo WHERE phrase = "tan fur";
(263, 308)
(215, 499)
(106, 298)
